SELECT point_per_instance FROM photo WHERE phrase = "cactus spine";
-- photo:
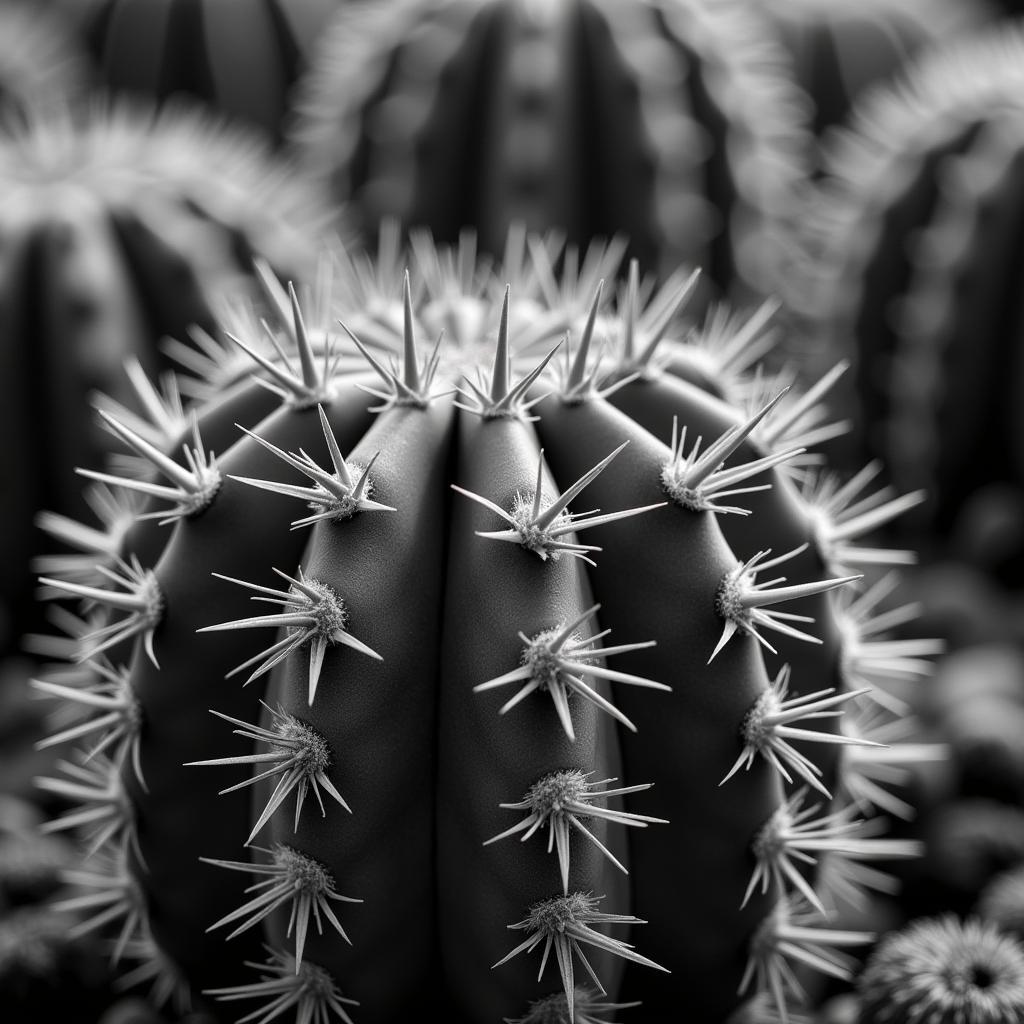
(506, 688)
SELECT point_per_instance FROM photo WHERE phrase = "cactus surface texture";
(239, 57)
(444, 668)
(915, 269)
(118, 227)
(674, 122)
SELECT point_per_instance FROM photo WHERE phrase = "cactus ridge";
(438, 572)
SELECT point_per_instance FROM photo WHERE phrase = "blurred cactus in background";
(429, 784)
(40, 60)
(914, 272)
(239, 57)
(116, 227)
(674, 123)
(944, 971)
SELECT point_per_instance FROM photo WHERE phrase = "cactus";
(839, 51)
(239, 57)
(913, 265)
(673, 123)
(944, 970)
(117, 228)
(45, 972)
(459, 679)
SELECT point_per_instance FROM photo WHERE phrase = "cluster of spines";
(298, 760)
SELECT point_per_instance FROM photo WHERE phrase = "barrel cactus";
(915, 271)
(239, 57)
(673, 122)
(529, 721)
(118, 227)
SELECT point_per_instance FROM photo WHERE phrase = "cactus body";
(514, 711)
(117, 229)
(240, 59)
(674, 123)
(915, 259)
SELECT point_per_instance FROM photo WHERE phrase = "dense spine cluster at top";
(495, 646)
(675, 123)
(914, 255)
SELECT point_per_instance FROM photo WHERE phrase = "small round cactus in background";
(840, 50)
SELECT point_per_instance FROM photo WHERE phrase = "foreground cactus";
(514, 714)
(674, 122)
